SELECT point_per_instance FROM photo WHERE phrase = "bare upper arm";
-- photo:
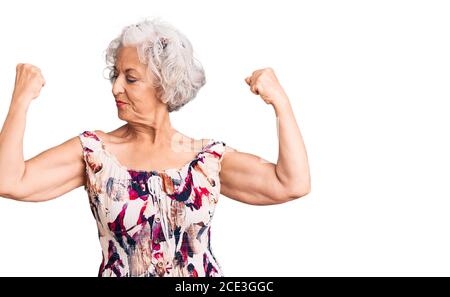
(250, 179)
(52, 173)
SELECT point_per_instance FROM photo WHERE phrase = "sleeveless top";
(153, 223)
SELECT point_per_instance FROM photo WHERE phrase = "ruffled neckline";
(159, 172)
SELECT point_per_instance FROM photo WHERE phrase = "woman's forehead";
(127, 57)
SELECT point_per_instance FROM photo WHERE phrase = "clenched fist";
(264, 82)
(29, 82)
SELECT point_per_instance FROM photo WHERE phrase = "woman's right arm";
(51, 173)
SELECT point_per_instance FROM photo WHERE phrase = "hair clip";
(164, 42)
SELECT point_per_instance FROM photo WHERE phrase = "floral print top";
(153, 223)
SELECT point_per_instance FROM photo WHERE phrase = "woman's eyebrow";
(128, 69)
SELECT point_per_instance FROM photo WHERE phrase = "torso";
(152, 223)
(143, 157)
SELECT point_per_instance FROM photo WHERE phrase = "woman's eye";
(114, 76)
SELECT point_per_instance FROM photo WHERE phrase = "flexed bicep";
(52, 173)
(250, 179)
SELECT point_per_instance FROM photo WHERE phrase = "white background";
(369, 82)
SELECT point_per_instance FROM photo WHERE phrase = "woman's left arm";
(250, 179)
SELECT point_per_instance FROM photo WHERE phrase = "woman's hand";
(29, 82)
(263, 82)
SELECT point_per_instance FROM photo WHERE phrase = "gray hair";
(169, 56)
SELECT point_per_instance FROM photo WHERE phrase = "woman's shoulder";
(216, 148)
(108, 137)
(89, 140)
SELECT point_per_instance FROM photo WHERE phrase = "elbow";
(298, 191)
(290, 193)
(13, 194)
(294, 187)
(8, 195)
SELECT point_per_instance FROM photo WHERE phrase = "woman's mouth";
(120, 103)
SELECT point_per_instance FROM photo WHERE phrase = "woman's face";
(132, 84)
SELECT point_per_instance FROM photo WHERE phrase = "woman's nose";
(117, 87)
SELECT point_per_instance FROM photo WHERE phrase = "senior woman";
(152, 189)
